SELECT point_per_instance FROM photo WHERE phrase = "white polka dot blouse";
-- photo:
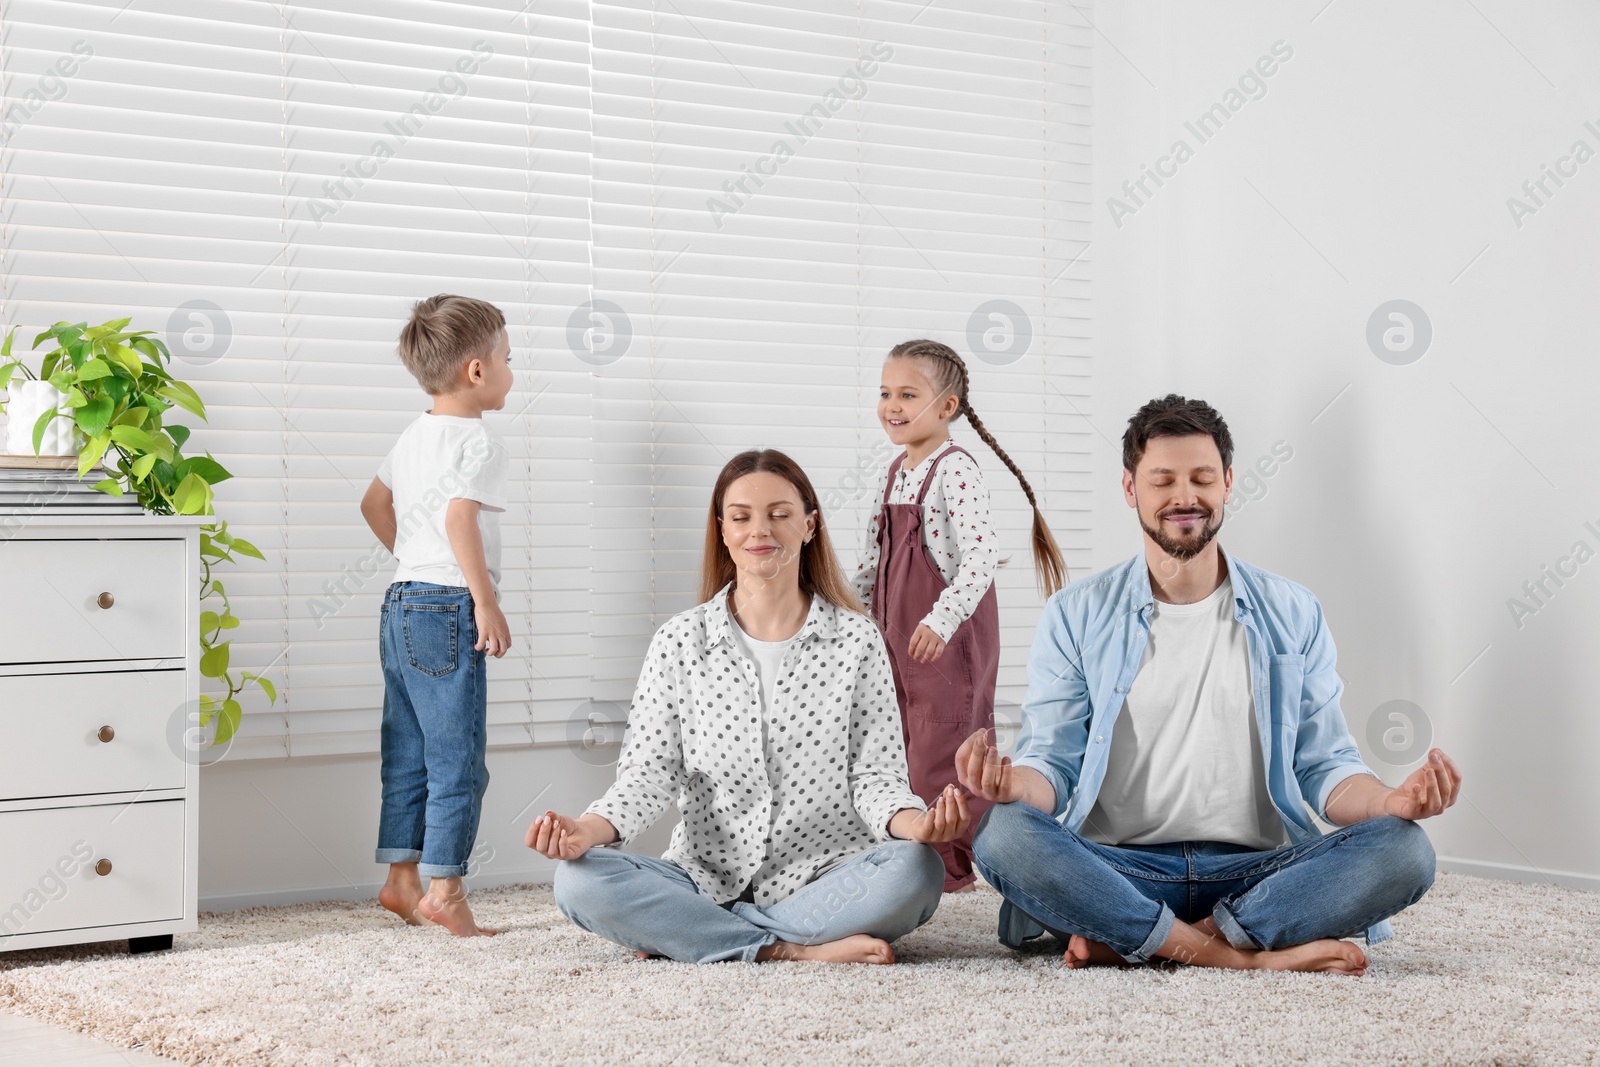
(769, 797)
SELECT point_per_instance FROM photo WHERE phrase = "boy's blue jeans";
(652, 905)
(435, 704)
(1128, 897)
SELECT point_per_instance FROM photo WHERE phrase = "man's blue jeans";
(652, 905)
(435, 703)
(1128, 897)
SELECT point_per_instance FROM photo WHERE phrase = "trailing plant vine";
(119, 394)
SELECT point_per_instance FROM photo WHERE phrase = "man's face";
(1178, 491)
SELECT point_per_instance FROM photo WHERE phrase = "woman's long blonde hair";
(819, 568)
(948, 373)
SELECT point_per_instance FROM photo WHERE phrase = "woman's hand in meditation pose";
(562, 838)
(945, 820)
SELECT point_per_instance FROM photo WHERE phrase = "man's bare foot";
(1338, 957)
(1081, 952)
(446, 904)
(857, 948)
(1201, 946)
(402, 891)
(969, 887)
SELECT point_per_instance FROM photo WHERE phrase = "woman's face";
(764, 524)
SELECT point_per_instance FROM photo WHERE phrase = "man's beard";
(1182, 549)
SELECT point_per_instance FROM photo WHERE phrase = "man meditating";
(1182, 711)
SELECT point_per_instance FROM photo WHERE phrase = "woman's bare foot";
(446, 904)
(857, 948)
(402, 891)
(1081, 952)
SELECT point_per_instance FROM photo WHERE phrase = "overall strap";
(935, 469)
(888, 483)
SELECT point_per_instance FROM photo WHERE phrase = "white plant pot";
(29, 400)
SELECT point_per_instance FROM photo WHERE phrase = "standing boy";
(445, 480)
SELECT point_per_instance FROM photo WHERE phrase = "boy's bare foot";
(402, 891)
(857, 948)
(446, 904)
(1081, 952)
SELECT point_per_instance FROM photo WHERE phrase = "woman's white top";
(768, 658)
(956, 530)
(770, 796)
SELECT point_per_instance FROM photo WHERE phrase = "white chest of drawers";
(99, 681)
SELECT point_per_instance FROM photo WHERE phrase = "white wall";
(1377, 166)
(280, 831)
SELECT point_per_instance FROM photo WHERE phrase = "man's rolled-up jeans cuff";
(1229, 928)
(1157, 938)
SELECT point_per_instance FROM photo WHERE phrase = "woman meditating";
(768, 713)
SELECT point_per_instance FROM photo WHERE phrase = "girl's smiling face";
(910, 407)
(764, 524)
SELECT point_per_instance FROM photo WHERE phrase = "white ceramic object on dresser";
(28, 399)
(99, 673)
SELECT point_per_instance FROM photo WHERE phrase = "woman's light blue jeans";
(1128, 897)
(652, 905)
(435, 701)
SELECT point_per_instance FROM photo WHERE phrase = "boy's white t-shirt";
(440, 458)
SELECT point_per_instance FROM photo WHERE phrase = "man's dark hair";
(1174, 416)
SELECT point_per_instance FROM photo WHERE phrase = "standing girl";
(927, 574)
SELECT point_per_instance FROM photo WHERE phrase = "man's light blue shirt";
(1090, 642)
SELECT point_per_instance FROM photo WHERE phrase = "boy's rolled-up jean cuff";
(427, 870)
(442, 870)
(1158, 937)
(398, 855)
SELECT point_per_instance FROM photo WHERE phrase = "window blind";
(781, 194)
(270, 186)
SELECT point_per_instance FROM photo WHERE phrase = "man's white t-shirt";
(440, 458)
(1186, 761)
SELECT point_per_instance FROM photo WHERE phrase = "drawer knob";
(105, 600)
(106, 733)
(103, 868)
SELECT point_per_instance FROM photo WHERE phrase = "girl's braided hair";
(948, 373)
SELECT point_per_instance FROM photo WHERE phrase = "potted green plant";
(118, 394)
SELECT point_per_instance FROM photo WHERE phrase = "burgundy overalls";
(942, 702)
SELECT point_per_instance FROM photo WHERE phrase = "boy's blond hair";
(443, 333)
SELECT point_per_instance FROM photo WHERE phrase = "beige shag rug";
(1481, 972)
